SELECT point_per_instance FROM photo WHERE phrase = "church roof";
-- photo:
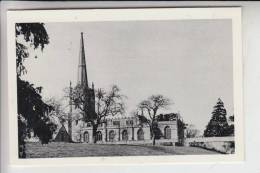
(62, 130)
(59, 129)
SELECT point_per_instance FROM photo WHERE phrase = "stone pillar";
(119, 134)
(174, 132)
(90, 132)
(133, 134)
(106, 135)
(80, 137)
(147, 135)
(103, 131)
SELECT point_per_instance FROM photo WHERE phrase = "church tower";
(83, 81)
(82, 68)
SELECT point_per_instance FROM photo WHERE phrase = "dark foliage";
(32, 111)
(181, 126)
(32, 33)
(166, 117)
(232, 118)
(21, 136)
(142, 119)
(218, 125)
(156, 130)
(231, 130)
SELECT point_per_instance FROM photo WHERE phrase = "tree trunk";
(153, 138)
(153, 126)
(151, 133)
(22, 153)
(21, 138)
(95, 126)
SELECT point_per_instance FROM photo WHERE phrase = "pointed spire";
(82, 69)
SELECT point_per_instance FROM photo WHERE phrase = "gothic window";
(116, 123)
(129, 122)
(99, 136)
(167, 132)
(124, 135)
(111, 135)
(140, 134)
(86, 137)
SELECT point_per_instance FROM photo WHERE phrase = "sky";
(188, 61)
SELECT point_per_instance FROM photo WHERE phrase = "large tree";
(32, 111)
(218, 125)
(147, 111)
(107, 103)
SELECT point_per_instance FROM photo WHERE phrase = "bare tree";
(58, 109)
(191, 131)
(147, 112)
(106, 103)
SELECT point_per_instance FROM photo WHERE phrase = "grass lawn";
(56, 149)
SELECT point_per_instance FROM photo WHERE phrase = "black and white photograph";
(106, 88)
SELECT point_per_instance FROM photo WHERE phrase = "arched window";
(99, 136)
(86, 137)
(124, 135)
(167, 132)
(140, 134)
(111, 135)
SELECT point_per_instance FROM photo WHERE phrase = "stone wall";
(220, 144)
(130, 135)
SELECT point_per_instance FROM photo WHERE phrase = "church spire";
(82, 69)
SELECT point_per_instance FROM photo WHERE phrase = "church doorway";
(167, 132)
(140, 134)
(86, 137)
(111, 136)
(124, 135)
(99, 136)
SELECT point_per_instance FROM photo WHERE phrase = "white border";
(123, 15)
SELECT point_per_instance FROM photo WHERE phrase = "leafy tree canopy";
(33, 33)
(32, 111)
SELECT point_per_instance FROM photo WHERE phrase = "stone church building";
(128, 130)
(125, 130)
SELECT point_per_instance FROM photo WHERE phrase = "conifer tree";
(218, 125)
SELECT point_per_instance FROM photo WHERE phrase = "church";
(123, 130)
(129, 130)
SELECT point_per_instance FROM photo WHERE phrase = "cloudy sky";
(189, 61)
